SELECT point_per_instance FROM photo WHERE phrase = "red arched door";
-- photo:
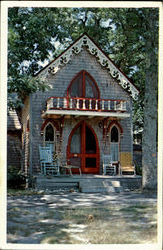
(83, 149)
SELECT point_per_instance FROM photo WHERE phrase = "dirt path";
(78, 218)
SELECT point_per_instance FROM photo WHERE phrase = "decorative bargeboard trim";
(76, 48)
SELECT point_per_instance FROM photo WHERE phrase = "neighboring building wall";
(13, 140)
(13, 149)
(109, 89)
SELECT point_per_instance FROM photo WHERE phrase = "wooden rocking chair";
(108, 167)
(48, 166)
(125, 163)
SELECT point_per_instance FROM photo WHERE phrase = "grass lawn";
(102, 224)
(20, 192)
(105, 225)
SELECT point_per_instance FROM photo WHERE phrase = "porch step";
(100, 186)
(53, 184)
(89, 184)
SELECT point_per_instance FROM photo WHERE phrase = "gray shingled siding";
(109, 89)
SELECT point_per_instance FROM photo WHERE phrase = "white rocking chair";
(108, 167)
(48, 166)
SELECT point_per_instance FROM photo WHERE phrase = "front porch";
(88, 183)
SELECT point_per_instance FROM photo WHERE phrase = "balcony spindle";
(84, 104)
(115, 105)
(90, 102)
(77, 104)
(65, 102)
(70, 103)
(121, 105)
(108, 105)
(58, 99)
(102, 104)
(50, 103)
(96, 107)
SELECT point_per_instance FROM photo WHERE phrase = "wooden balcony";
(85, 106)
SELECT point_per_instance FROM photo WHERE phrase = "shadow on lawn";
(82, 218)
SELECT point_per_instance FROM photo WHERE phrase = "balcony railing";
(86, 104)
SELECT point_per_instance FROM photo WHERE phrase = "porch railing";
(85, 104)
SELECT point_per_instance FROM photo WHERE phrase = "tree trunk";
(149, 147)
(149, 143)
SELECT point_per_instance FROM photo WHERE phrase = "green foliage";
(15, 178)
(23, 192)
(29, 42)
(138, 169)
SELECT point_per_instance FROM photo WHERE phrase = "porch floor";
(89, 183)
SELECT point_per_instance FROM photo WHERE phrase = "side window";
(50, 136)
(114, 134)
(114, 143)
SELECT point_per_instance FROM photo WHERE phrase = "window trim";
(54, 131)
(115, 123)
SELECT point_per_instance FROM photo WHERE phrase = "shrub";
(15, 178)
(138, 169)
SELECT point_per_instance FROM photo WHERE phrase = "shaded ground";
(78, 218)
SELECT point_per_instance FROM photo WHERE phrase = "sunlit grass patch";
(135, 208)
(86, 215)
(104, 224)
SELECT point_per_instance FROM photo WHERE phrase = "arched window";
(83, 85)
(50, 136)
(114, 134)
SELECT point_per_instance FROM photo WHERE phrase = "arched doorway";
(83, 149)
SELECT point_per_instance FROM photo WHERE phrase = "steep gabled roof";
(102, 58)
